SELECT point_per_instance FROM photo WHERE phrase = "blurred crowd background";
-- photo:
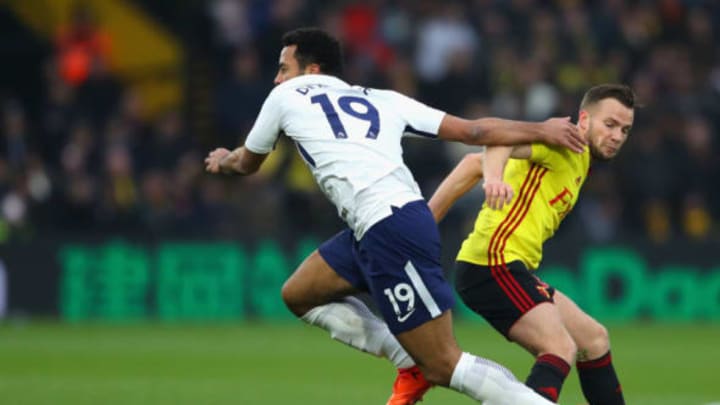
(86, 149)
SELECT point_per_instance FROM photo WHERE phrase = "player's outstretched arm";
(464, 177)
(497, 131)
(239, 161)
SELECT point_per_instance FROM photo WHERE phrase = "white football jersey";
(349, 136)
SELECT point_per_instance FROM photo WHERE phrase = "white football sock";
(485, 380)
(350, 321)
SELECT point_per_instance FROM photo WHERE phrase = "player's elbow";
(471, 133)
(472, 165)
(485, 131)
(473, 159)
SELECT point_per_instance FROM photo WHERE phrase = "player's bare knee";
(598, 343)
(293, 300)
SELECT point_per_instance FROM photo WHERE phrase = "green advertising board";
(228, 281)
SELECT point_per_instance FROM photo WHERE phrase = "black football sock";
(547, 376)
(599, 382)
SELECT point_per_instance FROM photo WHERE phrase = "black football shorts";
(500, 294)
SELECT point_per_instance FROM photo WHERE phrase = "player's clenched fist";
(497, 193)
(212, 162)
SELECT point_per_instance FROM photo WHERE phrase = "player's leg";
(314, 283)
(320, 296)
(434, 347)
(521, 308)
(541, 332)
(400, 257)
(598, 379)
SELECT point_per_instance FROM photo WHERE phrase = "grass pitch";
(50, 363)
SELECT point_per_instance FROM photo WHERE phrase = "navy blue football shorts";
(398, 262)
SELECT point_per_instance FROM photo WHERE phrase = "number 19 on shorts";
(402, 295)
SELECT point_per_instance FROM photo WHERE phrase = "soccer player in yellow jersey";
(526, 199)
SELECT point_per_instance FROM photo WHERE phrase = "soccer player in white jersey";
(350, 139)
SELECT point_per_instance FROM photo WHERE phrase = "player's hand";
(497, 193)
(212, 161)
(560, 131)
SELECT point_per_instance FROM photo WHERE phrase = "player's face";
(608, 124)
(288, 66)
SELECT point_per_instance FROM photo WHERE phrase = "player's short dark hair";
(316, 46)
(619, 92)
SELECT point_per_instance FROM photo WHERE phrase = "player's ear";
(312, 69)
(583, 120)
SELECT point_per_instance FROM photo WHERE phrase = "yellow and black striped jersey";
(546, 188)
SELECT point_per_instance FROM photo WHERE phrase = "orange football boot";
(409, 388)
